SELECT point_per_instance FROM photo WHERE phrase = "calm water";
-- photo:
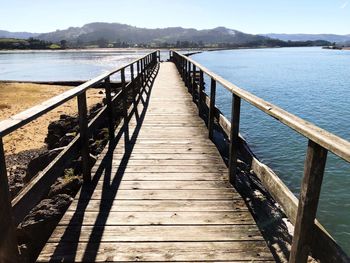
(310, 82)
(64, 65)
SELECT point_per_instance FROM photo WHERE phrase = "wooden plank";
(156, 233)
(159, 205)
(142, 176)
(110, 192)
(170, 156)
(170, 185)
(75, 218)
(157, 252)
(171, 169)
(167, 162)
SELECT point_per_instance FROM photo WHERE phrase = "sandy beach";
(16, 97)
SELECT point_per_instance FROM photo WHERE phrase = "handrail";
(13, 212)
(309, 235)
(330, 141)
(19, 120)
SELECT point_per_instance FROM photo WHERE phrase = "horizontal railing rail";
(309, 235)
(13, 212)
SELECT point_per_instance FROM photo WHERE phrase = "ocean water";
(65, 64)
(311, 83)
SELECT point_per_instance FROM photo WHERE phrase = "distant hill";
(312, 37)
(22, 35)
(118, 35)
(113, 32)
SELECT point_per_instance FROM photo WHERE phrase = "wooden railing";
(13, 212)
(309, 235)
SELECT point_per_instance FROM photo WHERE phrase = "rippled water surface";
(311, 83)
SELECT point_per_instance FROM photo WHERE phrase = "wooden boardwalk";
(165, 198)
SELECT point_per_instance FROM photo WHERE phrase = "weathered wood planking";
(167, 198)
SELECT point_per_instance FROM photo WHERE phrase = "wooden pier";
(166, 198)
(160, 191)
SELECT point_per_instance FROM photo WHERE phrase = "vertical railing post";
(193, 83)
(183, 69)
(125, 107)
(315, 163)
(189, 75)
(142, 72)
(185, 72)
(138, 75)
(8, 240)
(200, 92)
(234, 139)
(84, 137)
(132, 77)
(211, 108)
(110, 108)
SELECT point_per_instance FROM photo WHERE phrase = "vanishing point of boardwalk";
(166, 196)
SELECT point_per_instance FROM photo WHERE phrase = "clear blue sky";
(251, 16)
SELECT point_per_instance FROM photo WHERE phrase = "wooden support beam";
(125, 107)
(211, 108)
(84, 136)
(234, 138)
(315, 162)
(8, 241)
(110, 109)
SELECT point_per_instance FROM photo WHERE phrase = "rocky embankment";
(37, 226)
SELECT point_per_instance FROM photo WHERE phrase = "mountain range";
(22, 35)
(116, 32)
(310, 37)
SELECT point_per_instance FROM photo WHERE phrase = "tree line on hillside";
(33, 43)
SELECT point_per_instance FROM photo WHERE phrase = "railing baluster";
(8, 240)
(194, 83)
(189, 76)
(185, 72)
(84, 136)
(234, 140)
(200, 92)
(138, 76)
(125, 107)
(143, 72)
(211, 108)
(132, 77)
(110, 108)
(315, 163)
